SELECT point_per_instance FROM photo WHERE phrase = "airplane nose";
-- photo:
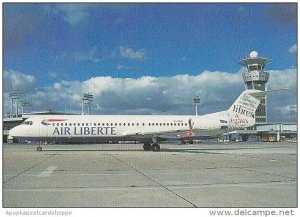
(14, 132)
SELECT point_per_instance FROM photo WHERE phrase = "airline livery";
(149, 129)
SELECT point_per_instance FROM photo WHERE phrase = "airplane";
(148, 129)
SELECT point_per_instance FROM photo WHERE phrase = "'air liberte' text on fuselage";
(87, 131)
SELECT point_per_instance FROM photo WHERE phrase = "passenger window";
(143, 124)
(171, 124)
(66, 124)
(120, 124)
(70, 124)
(95, 124)
(137, 124)
(128, 124)
(124, 124)
(159, 124)
(149, 124)
(116, 124)
(167, 124)
(87, 124)
(99, 124)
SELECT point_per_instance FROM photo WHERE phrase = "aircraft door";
(191, 123)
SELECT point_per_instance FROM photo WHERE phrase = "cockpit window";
(27, 122)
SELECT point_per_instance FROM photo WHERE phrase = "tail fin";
(242, 112)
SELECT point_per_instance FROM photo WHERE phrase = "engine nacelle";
(197, 123)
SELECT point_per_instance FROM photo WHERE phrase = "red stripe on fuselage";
(55, 120)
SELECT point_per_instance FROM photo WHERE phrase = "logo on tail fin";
(245, 105)
(243, 110)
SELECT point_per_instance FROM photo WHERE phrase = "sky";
(146, 58)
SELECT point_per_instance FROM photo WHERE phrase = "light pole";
(86, 100)
(14, 96)
(25, 104)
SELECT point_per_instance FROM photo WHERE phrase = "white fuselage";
(115, 127)
(96, 128)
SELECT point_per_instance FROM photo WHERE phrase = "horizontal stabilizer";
(263, 93)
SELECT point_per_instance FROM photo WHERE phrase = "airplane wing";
(180, 134)
(160, 136)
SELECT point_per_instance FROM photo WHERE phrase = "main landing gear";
(153, 147)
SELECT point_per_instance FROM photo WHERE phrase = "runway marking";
(28, 169)
(47, 172)
(138, 188)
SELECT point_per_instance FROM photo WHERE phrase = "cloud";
(16, 81)
(293, 49)
(129, 53)
(87, 56)
(120, 66)
(52, 74)
(289, 109)
(74, 14)
(172, 94)
(283, 79)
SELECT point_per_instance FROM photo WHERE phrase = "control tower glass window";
(253, 67)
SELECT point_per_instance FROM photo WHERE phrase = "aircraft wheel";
(147, 146)
(39, 148)
(155, 147)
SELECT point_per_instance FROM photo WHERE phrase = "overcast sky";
(146, 58)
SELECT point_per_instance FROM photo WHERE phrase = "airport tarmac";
(123, 175)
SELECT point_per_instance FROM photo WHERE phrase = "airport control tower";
(256, 78)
